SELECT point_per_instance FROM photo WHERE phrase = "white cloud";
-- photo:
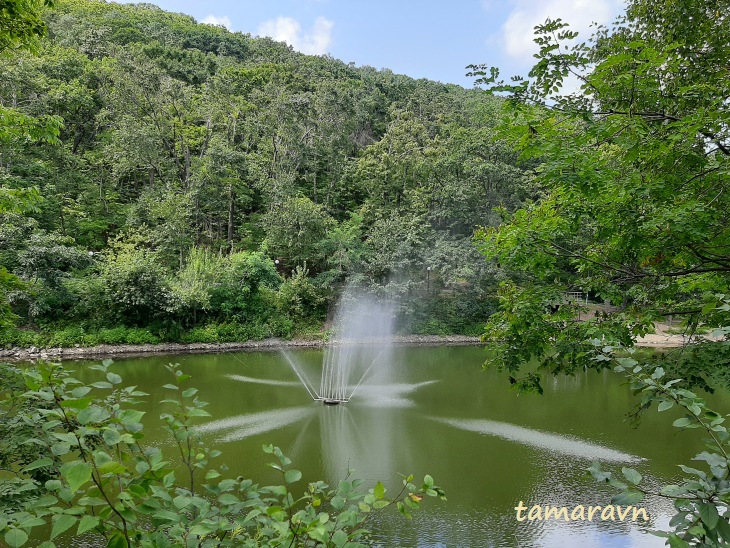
(517, 32)
(213, 20)
(288, 29)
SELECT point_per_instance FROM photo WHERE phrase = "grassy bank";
(84, 336)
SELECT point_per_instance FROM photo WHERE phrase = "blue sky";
(423, 39)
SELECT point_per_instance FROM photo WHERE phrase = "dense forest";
(204, 185)
(166, 180)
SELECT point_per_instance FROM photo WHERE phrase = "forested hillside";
(206, 185)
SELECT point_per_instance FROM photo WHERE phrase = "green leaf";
(379, 490)
(39, 463)
(292, 476)
(117, 540)
(631, 475)
(81, 403)
(319, 534)
(16, 538)
(663, 406)
(168, 480)
(76, 474)
(111, 436)
(203, 528)
(92, 414)
(708, 514)
(675, 542)
(86, 524)
(182, 501)
(141, 467)
(63, 523)
(130, 416)
(723, 528)
(80, 392)
(113, 378)
(195, 412)
(167, 515)
(339, 538)
(112, 467)
(673, 491)
(30, 522)
(228, 499)
(628, 498)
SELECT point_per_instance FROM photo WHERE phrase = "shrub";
(135, 286)
(90, 452)
(140, 336)
(299, 298)
(12, 336)
(68, 336)
(243, 292)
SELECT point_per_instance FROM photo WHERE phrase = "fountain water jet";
(359, 351)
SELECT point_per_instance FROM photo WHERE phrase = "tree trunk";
(231, 199)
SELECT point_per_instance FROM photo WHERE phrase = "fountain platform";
(331, 401)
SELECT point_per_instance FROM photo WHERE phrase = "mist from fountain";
(360, 349)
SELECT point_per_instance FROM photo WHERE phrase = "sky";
(430, 39)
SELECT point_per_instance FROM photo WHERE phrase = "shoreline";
(135, 350)
(654, 340)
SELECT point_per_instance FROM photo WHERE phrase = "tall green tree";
(20, 28)
(634, 166)
(20, 23)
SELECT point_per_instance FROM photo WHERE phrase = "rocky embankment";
(111, 351)
(660, 339)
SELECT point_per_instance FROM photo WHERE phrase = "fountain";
(360, 349)
(358, 352)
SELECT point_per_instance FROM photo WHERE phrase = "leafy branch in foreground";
(701, 501)
(93, 476)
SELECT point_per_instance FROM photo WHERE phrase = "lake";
(487, 446)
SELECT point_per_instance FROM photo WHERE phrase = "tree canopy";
(632, 178)
(176, 140)
(634, 167)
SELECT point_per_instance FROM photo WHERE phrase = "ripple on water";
(554, 443)
(244, 426)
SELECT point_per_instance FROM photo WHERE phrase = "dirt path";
(662, 338)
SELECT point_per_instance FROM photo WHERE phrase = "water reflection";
(550, 442)
(244, 426)
(474, 447)
(270, 382)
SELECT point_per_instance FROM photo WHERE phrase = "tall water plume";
(360, 348)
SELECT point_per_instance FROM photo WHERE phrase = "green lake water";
(486, 446)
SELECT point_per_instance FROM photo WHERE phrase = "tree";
(20, 27)
(21, 24)
(634, 169)
(634, 166)
(295, 228)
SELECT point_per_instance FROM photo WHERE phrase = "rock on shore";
(128, 350)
